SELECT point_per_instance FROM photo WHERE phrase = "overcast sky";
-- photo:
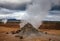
(19, 7)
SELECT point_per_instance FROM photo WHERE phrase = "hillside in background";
(50, 25)
(45, 24)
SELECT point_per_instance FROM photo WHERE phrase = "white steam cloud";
(37, 11)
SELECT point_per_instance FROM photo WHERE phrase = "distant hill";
(56, 7)
(45, 24)
(11, 23)
(50, 25)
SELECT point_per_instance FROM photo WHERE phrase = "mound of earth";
(27, 30)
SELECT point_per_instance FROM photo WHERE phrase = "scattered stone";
(49, 39)
(18, 31)
(45, 32)
(21, 37)
(13, 32)
(7, 33)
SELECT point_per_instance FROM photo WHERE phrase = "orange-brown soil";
(7, 37)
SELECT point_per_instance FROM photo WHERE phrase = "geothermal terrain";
(48, 31)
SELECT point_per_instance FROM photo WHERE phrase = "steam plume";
(37, 11)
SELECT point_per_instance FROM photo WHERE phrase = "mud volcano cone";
(28, 29)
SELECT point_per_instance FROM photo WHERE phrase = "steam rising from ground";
(37, 11)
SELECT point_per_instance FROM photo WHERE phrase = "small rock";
(45, 32)
(7, 33)
(13, 32)
(21, 37)
(18, 31)
(49, 39)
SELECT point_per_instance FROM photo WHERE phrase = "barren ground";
(11, 37)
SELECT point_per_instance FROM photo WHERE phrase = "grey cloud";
(13, 6)
(55, 7)
(55, 2)
(52, 18)
(7, 11)
(54, 12)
